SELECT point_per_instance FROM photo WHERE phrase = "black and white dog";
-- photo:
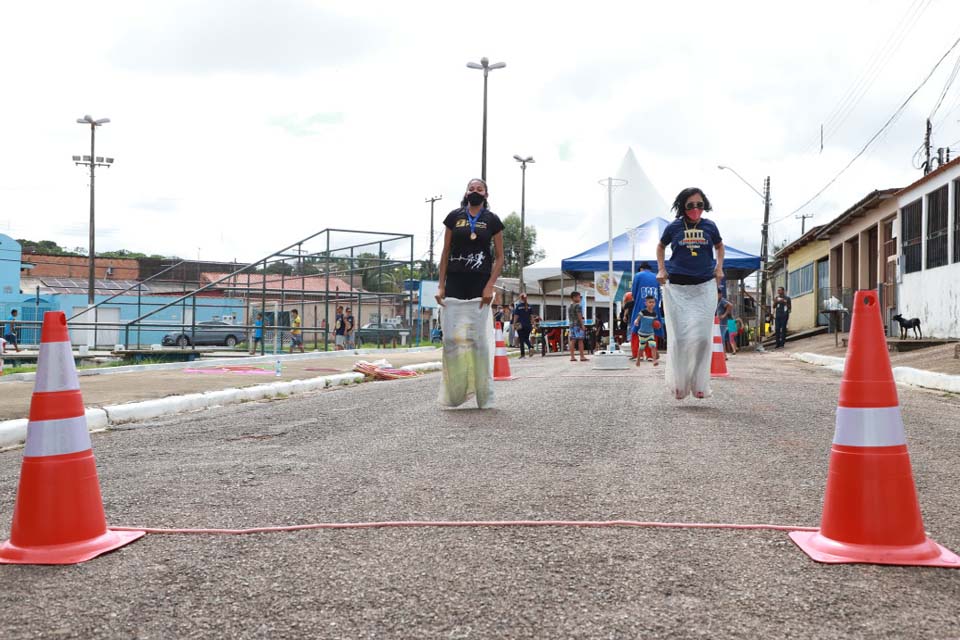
(906, 325)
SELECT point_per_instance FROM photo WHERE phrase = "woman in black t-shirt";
(468, 268)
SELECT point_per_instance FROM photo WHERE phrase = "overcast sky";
(241, 126)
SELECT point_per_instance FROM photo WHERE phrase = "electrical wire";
(893, 118)
(865, 80)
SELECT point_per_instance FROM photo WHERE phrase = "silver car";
(211, 332)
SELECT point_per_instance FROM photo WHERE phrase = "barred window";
(911, 221)
(956, 220)
(937, 228)
(800, 281)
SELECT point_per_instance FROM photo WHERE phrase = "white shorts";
(340, 340)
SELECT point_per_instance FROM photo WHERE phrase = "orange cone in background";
(58, 517)
(870, 511)
(501, 364)
(718, 360)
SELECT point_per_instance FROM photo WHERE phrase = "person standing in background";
(521, 320)
(782, 306)
(644, 284)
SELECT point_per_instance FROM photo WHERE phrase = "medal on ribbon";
(472, 220)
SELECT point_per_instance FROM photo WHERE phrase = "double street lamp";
(765, 196)
(523, 211)
(93, 161)
(485, 66)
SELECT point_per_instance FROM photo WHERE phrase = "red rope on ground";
(478, 523)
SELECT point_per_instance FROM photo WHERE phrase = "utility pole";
(803, 221)
(431, 201)
(926, 149)
(763, 262)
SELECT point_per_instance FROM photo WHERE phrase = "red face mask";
(694, 214)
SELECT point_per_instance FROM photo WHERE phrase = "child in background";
(577, 327)
(646, 324)
(732, 331)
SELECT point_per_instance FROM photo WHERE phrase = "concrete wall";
(934, 297)
(804, 314)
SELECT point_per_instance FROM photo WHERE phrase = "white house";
(928, 227)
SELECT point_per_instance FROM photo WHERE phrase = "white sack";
(688, 311)
(468, 349)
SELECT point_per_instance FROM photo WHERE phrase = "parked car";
(384, 330)
(211, 332)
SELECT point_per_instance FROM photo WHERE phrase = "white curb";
(14, 432)
(903, 375)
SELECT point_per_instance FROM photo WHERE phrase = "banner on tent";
(602, 285)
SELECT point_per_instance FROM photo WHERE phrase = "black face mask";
(475, 199)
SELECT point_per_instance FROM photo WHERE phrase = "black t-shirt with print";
(466, 255)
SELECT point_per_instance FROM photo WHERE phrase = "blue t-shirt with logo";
(644, 284)
(522, 313)
(691, 246)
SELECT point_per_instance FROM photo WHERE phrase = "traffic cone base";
(58, 516)
(67, 553)
(822, 549)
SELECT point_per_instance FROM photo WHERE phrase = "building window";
(937, 228)
(911, 219)
(800, 281)
(956, 220)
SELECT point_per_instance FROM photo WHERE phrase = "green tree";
(511, 246)
(45, 247)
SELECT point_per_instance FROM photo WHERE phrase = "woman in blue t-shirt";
(690, 278)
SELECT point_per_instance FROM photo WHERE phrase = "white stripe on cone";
(875, 427)
(57, 437)
(501, 351)
(55, 368)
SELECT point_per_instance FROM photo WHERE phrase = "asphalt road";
(565, 443)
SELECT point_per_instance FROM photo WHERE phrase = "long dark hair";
(680, 202)
(485, 205)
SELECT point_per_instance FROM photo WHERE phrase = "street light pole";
(523, 210)
(93, 162)
(765, 196)
(486, 67)
(610, 183)
(431, 201)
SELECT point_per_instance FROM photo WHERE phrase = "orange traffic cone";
(870, 511)
(501, 364)
(58, 517)
(718, 361)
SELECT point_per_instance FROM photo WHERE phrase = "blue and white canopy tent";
(737, 264)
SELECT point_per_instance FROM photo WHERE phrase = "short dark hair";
(680, 202)
(645, 265)
(574, 293)
(650, 298)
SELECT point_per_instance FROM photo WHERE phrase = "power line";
(865, 80)
(886, 125)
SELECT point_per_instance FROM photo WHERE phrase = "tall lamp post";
(765, 196)
(523, 210)
(92, 161)
(431, 201)
(486, 67)
(610, 183)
